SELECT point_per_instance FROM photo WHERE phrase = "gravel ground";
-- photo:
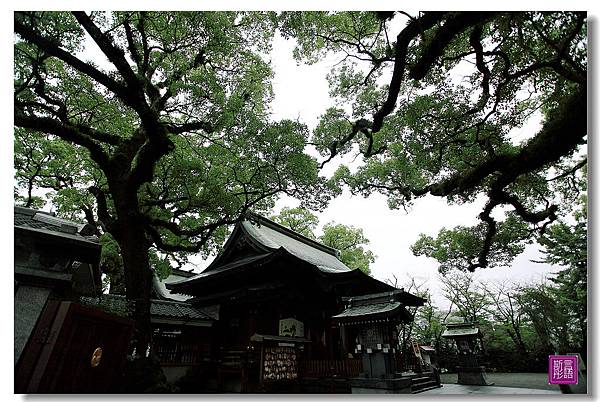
(516, 380)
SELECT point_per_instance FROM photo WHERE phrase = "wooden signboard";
(291, 327)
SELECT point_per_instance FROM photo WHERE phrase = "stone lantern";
(467, 336)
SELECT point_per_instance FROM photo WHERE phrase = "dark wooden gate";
(73, 349)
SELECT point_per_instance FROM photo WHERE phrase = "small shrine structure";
(468, 338)
(372, 322)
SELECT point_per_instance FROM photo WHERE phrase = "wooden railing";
(186, 354)
(330, 368)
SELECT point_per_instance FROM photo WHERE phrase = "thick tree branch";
(132, 46)
(108, 222)
(412, 30)
(67, 132)
(141, 26)
(53, 49)
(191, 126)
(403, 40)
(528, 216)
(89, 217)
(141, 63)
(475, 41)
(491, 231)
(116, 56)
(148, 154)
(453, 26)
(559, 137)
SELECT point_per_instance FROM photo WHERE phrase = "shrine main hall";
(286, 315)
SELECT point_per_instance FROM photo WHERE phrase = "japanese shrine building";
(275, 293)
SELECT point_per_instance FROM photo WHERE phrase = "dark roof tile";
(46, 222)
(158, 308)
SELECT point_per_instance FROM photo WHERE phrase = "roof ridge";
(37, 219)
(31, 211)
(152, 299)
(252, 216)
(182, 272)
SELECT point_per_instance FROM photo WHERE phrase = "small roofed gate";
(74, 349)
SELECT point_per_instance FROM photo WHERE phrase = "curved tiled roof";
(176, 309)
(370, 309)
(257, 241)
(461, 329)
(270, 236)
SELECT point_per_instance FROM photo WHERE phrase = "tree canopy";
(300, 220)
(348, 240)
(434, 110)
(156, 126)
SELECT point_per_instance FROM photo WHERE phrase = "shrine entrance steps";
(421, 382)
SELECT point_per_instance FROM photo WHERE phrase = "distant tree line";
(521, 324)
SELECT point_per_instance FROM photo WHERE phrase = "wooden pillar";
(344, 341)
(329, 340)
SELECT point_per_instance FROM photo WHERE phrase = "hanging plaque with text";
(291, 327)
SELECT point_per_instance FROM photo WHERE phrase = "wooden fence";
(330, 368)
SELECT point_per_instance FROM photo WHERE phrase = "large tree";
(155, 126)
(436, 110)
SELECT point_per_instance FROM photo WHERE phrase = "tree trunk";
(135, 246)
(138, 281)
(515, 336)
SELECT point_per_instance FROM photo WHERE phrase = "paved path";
(504, 384)
(513, 380)
(449, 389)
